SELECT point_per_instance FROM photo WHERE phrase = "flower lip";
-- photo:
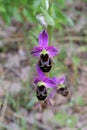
(45, 62)
(64, 91)
(44, 58)
(41, 93)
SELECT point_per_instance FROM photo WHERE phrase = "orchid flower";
(53, 83)
(44, 52)
(41, 79)
(59, 84)
(43, 47)
(43, 82)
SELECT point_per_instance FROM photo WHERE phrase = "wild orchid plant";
(45, 54)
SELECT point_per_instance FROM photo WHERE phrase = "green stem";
(50, 30)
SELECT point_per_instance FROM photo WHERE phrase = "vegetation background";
(20, 24)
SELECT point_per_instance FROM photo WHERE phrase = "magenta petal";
(40, 73)
(52, 51)
(43, 39)
(37, 79)
(55, 79)
(49, 83)
(40, 76)
(36, 51)
(61, 80)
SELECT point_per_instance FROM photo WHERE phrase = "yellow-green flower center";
(61, 86)
(40, 84)
(44, 52)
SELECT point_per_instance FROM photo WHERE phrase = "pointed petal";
(36, 51)
(43, 39)
(37, 79)
(55, 80)
(61, 80)
(42, 77)
(49, 83)
(40, 73)
(52, 51)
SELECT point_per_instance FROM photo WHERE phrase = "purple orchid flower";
(42, 79)
(43, 82)
(59, 82)
(43, 40)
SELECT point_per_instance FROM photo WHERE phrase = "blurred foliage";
(77, 101)
(80, 101)
(59, 65)
(26, 10)
(66, 120)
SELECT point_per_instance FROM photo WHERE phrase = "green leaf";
(24, 2)
(7, 18)
(36, 3)
(34, 35)
(2, 9)
(47, 4)
(25, 12)
(49, 20)
(17, 15)
(1, 1)
(59, 17)
(30, 16)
